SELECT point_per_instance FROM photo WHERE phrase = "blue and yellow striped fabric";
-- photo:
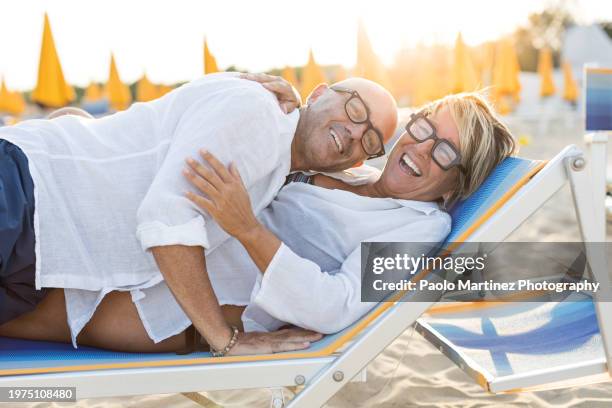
(29, 357)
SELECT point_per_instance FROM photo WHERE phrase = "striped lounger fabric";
(20, 357)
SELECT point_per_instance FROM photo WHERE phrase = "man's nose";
(356, 131)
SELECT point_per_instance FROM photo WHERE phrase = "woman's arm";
(228, 202)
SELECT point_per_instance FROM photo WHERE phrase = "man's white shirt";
(107, 190)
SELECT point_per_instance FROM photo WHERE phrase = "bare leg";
(115, 325)
(46, 322)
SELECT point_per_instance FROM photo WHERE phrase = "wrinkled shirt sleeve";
(237, 126)
(296, 290)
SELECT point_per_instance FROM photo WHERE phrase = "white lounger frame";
(323, 377)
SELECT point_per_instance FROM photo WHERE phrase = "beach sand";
(411, 372)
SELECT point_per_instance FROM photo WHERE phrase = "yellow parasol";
(464, 74)
(163, 89)
(210, 62)
(11, 102)
(93, 92)
(145, 90)
(570, 92)
(119, 95)
(312, 75)
(288, 73)
(368, 64)
(506, 83)
(545, 70)
(51, 88)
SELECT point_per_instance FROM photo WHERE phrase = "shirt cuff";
(275, 287)
(156, 233)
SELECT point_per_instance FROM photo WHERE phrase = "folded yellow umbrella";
(506, 83)
(93, 92)
(570, 92)
(11, 102)
(146, 90)
(119, 95)
(427, 85)
(288, 73)
(51, 89)
(163, 89)
(545, 70)
(464, 73)
(487, 55)
(368, 64)
(312, 75)
(210, 62)
(433, 76)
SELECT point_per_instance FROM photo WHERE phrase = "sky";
(165, 38)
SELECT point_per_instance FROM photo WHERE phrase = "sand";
(412, 373)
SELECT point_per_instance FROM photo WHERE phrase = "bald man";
(118, 183)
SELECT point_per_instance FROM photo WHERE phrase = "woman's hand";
(227, 200)
(288, 97)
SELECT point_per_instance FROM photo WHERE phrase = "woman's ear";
(316, 93)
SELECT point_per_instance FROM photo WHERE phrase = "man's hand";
(274, 342)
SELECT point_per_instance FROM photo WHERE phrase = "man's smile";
(337, 140)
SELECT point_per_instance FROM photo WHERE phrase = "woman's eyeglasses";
(444, 153)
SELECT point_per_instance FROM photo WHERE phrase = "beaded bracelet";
(226, 349)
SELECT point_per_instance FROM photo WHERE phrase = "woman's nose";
(424, 148)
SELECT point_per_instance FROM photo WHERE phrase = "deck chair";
(526, 346)
(514, 190)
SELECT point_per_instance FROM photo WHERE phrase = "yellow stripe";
(594, 70)
(343, 339)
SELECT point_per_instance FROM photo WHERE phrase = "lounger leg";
(386, 329)
(278, 398)
(590, 221)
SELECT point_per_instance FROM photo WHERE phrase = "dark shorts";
(18, 293)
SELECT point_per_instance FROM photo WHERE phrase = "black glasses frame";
(355, 94)
(437, 141)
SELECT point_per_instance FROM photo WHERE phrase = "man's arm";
(177, 234)
(184, 270)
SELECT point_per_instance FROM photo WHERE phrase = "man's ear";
(318, 91)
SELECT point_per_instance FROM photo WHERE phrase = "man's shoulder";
(231, 85)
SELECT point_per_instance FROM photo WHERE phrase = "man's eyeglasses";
(444, 153)
(358, 113)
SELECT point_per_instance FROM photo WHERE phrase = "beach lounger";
(523, 346)
(516, 189)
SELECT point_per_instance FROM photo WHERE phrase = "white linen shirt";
(109, 189)
(314, 278)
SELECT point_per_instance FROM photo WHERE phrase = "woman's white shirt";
(320, 289)
(314, 278)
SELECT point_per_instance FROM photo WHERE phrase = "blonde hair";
(484, 141)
